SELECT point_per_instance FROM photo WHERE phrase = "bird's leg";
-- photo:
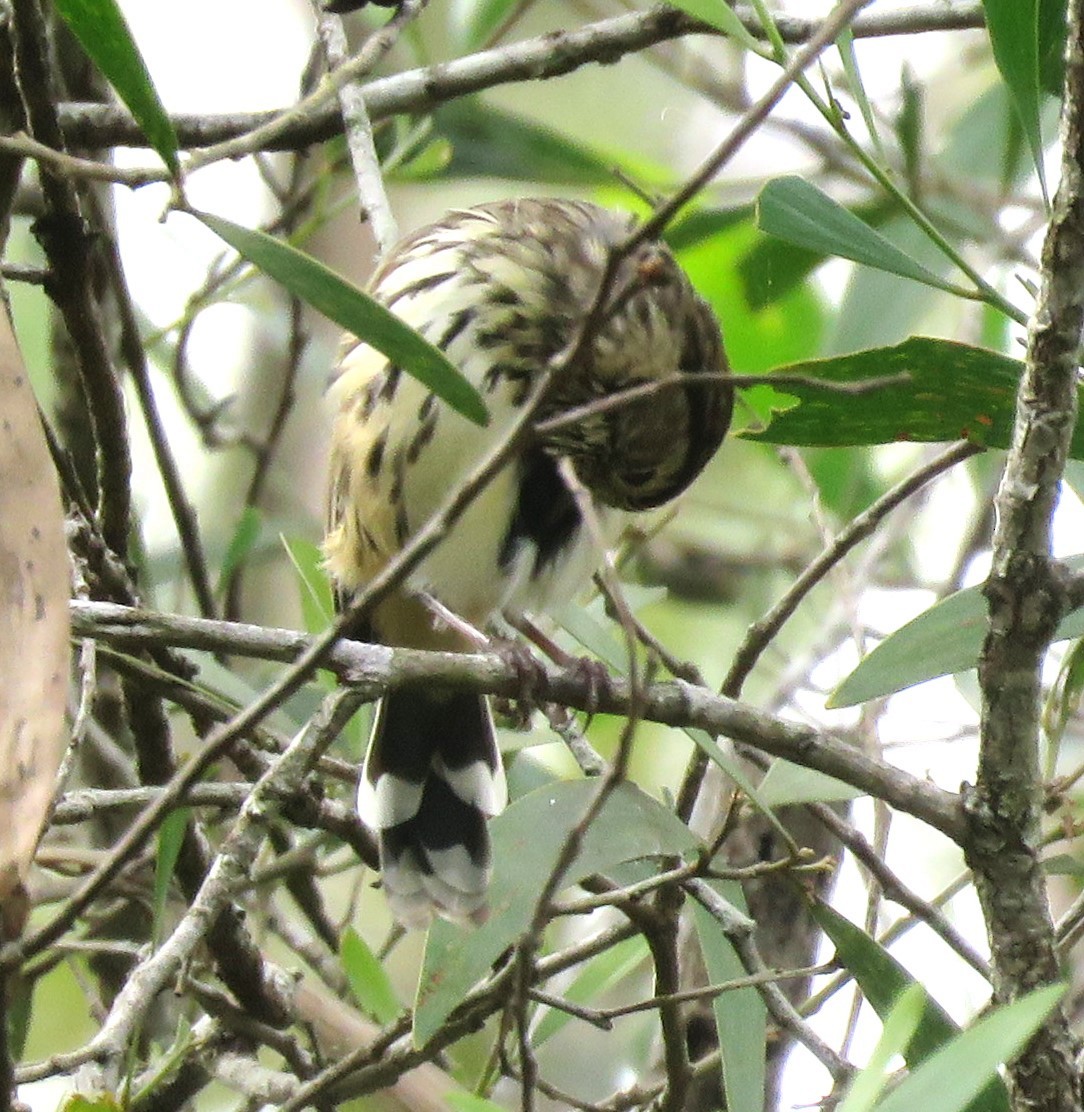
(518, 657)
(591, 671)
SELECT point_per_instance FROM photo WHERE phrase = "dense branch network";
(279, 822)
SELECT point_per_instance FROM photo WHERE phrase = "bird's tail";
(432, 776)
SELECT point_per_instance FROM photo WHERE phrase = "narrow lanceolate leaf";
(170, 840)
(1053, 31)
(741, 1018)
(34, 588)
(1013, 26)
(103, 32)
(946, 391)
(792, 209)
(630, 826)
(720, 15)
(883, 981)
(354, 310)
(368, 981)
(953, 1078)
(899, 1028)
(943, 640)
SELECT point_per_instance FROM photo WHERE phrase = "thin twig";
(359, 130)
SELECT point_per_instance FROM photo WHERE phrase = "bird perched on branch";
(506, 290)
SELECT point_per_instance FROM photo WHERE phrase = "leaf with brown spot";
(34, 631)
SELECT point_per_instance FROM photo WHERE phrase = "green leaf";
(721, 16)
(368, 981)
(314, 586)
(845, 46)
(740, 1016)
(104, 34)
(1013, 26)
(883, 980)
(945, 639)
(770, 268)
(1062, 703)
(899, 1029)
(587, 626)
(19, 1007)
(1053, 30)
(354, 310)
(475, 21)
(598, 976)
(243, 541)
(792, 209)
(527, 838)
(698, 225)
(909, 123)
(170, 838)
(952, 1078)
(491, 142)
(953, 392)
(785, 783)
(1063, 864)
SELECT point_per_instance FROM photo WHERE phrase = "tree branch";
(551, 55)
(1027, 597)
(374, 669)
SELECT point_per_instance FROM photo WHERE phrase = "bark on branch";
(1027, 596)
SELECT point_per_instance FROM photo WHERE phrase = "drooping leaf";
(794, 210)
(1064, 698)
(909, 123)
(354, 310)
(527, 838)
(740, 1015)
(899, 1028)
(952, 1079)
(103, 32)
(785, 783)
(368, 980)
(1053, 28)
(720, 15)
(857, 88)
(1013, 26)
(314, 586)
(883, 980)
(952, 392)
(35, 585)
(245, 535)
(945, 639)
(170, 839)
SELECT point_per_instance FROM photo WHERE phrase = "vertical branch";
(359, 129)
(1027, 596)
(67, 241)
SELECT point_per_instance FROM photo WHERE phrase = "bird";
(505, 290)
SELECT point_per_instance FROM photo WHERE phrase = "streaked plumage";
(502, 289)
